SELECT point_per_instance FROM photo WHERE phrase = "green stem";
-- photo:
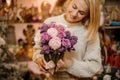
(47, 57)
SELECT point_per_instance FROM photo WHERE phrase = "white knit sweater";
(85, 61)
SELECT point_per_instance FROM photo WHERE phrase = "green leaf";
(47, 57)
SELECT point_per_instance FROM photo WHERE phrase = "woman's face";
(76, 11)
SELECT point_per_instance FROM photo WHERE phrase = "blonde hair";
(93, 18)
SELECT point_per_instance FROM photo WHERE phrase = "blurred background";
(19, 21)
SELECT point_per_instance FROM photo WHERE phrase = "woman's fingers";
(41, 64)
(42, 68)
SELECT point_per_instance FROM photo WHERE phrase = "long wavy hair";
(92, 21)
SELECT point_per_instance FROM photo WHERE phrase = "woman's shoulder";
(53, 19)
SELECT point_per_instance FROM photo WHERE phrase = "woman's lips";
(72, 17)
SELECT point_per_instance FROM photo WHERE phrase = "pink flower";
(57, 38)
(60, 28)
(61, 35)
(66, 43)
(45, 36)
(52, 25)
(55, 43)
(52, 32)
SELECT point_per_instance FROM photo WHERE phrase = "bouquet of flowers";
(55, 40)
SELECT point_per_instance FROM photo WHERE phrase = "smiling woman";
(82, 17)
(76, 11)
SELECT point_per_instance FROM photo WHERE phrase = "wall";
(19, 29)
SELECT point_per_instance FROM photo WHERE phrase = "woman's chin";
(72, 21)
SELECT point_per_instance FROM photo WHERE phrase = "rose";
(44, 28)
(68, 34)
(66, 43)
(61, 50)
(57, 38)
(45, 37)
(70, 30)
(52, 32)
(46, 49)
(52, 25)
(60, 28)
(61, 35)
(73, 40)
(55, 43)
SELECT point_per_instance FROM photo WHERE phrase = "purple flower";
(73, 40)
(60, 28)
(66, 43)
(68, 34)
(61, 50)
(45, 36)
(46, 49)
(44, 28)
(61, 35)
(52, 25)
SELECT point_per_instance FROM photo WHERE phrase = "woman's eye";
(81, 13)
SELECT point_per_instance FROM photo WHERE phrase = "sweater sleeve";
(36, 48)
(91, 62)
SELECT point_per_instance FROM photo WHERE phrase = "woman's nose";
(74, 14)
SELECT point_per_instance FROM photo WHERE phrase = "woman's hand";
(41, 64)
(45, 66)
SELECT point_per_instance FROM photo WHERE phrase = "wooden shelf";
(112, 27)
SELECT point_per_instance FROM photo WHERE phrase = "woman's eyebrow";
(80, 10)
(75, 5)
